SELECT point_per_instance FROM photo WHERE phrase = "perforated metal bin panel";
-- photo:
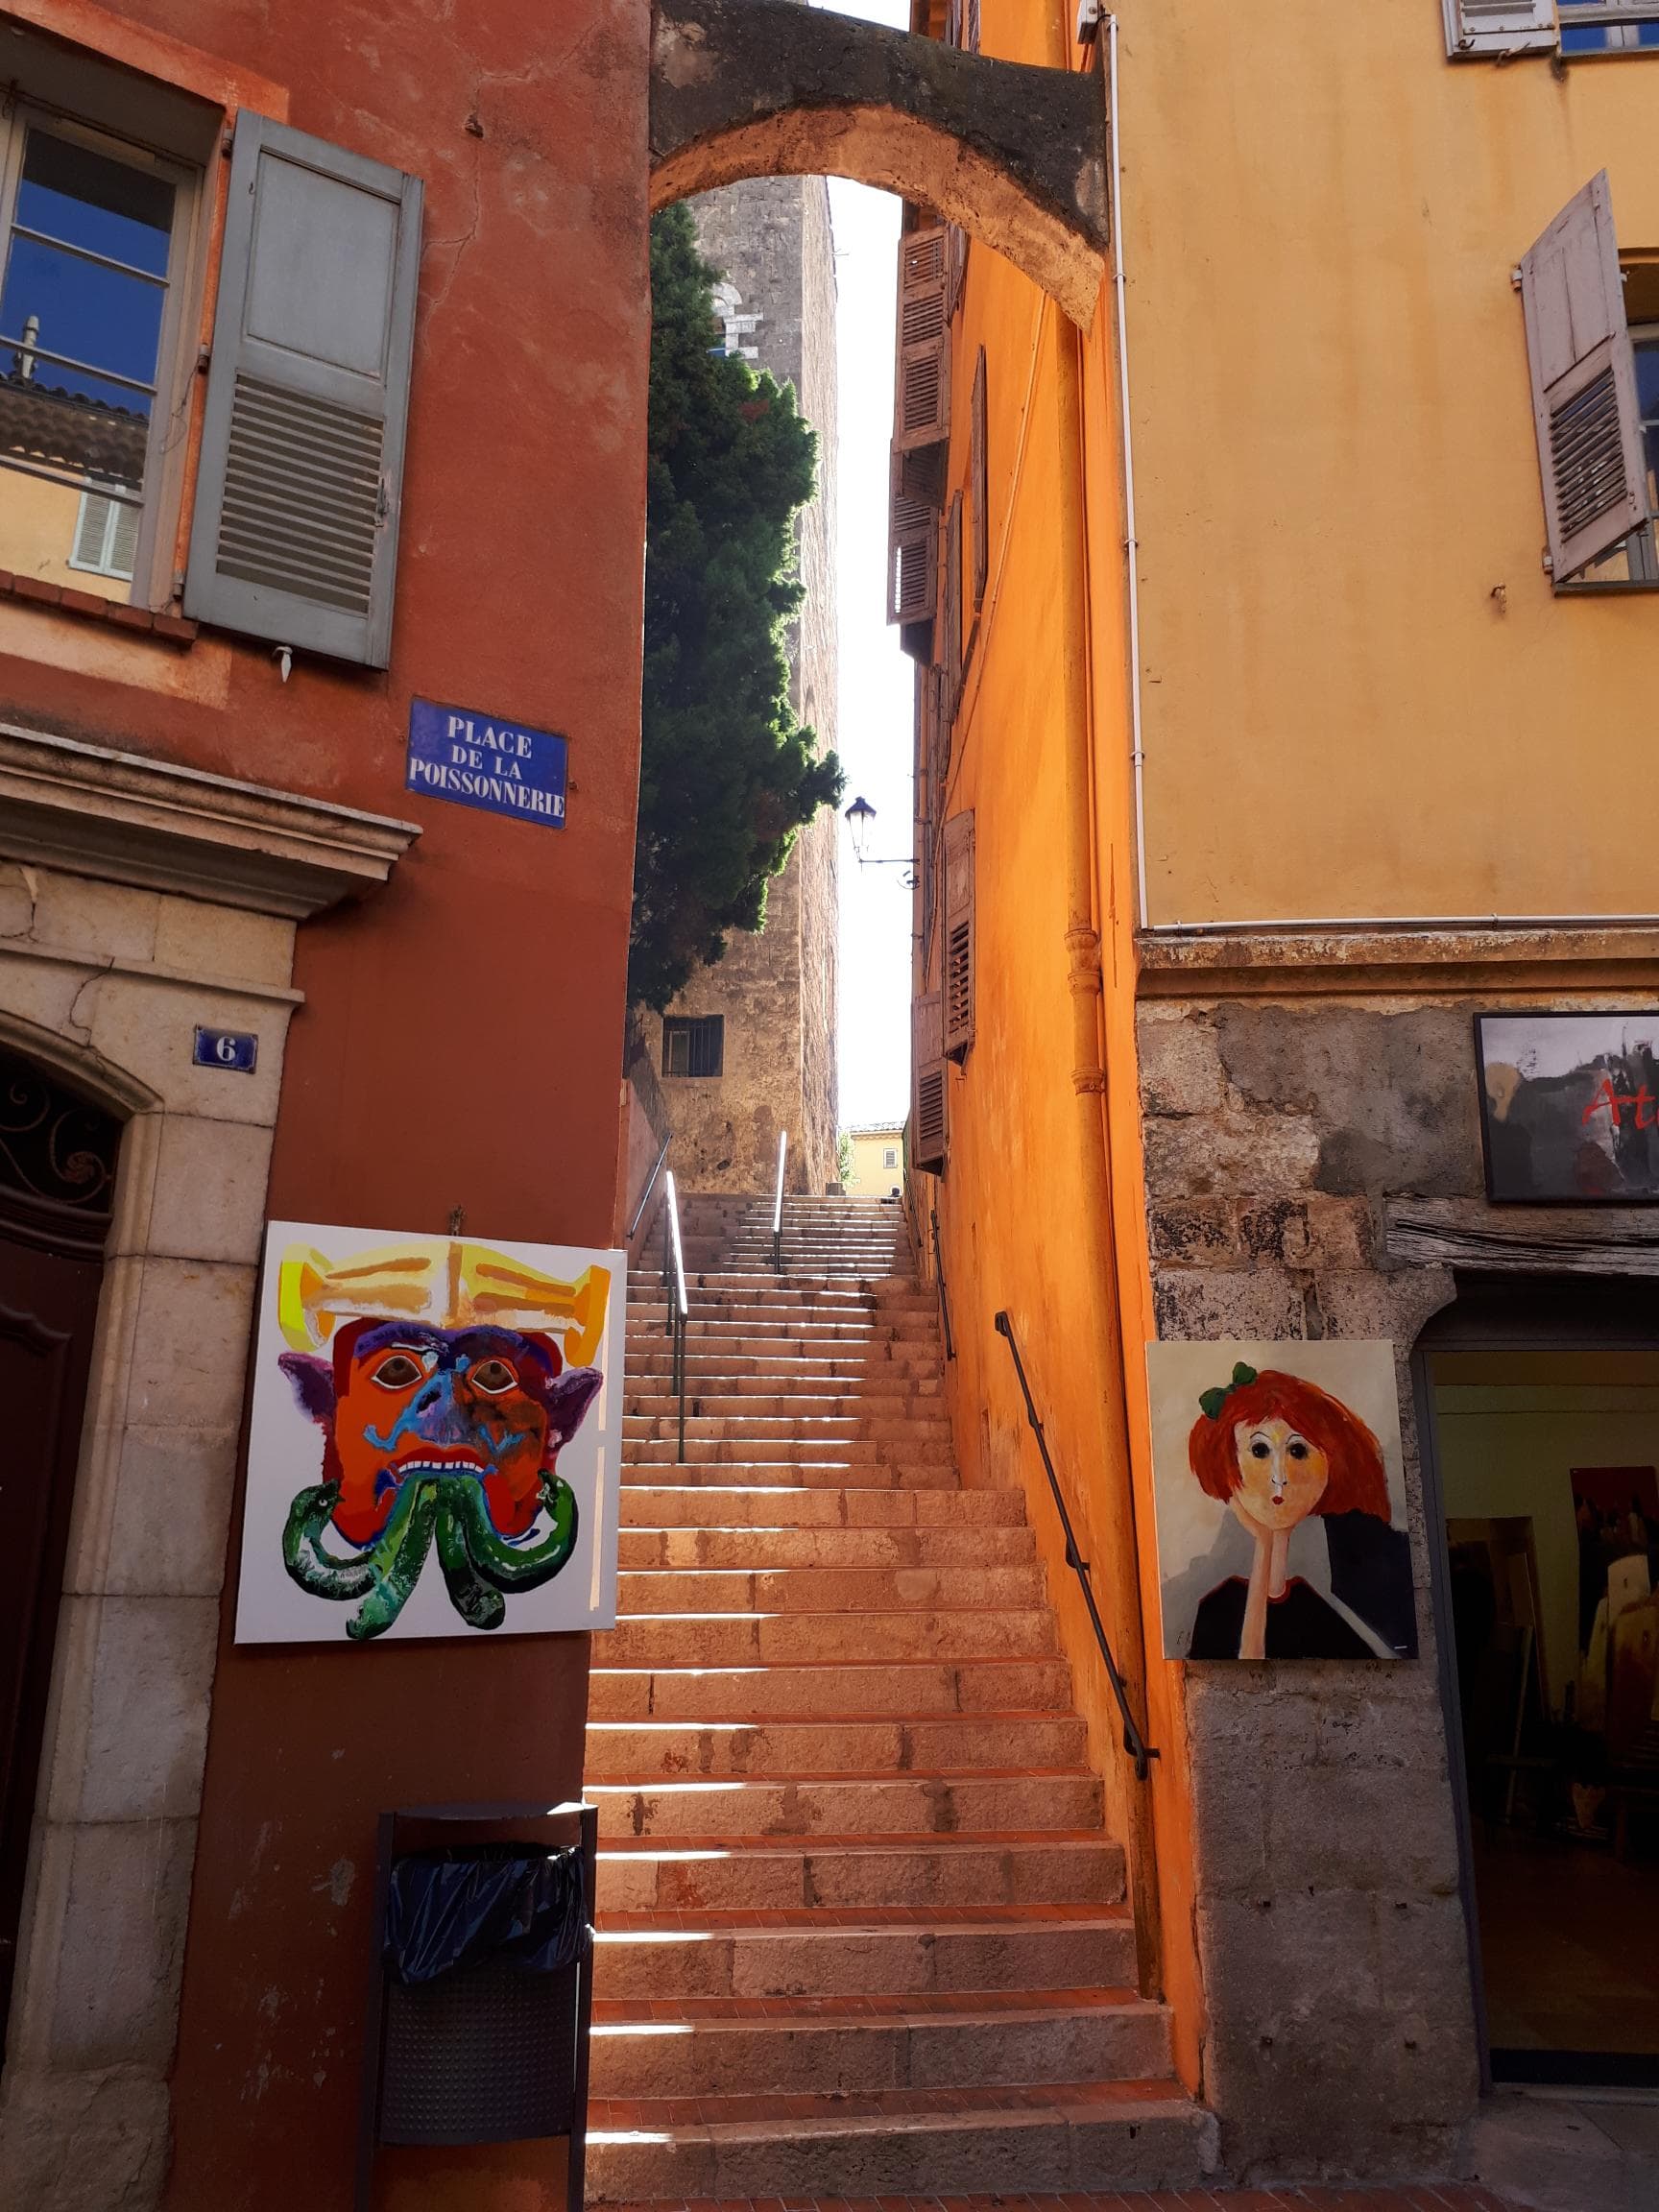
(485, 2055)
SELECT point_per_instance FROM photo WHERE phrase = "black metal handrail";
(944, 1289)
(679, 1305)
(1133, 1742)
(650, 1186)
(778, 1203)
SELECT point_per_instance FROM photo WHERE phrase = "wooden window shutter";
(950, 653)
(954, 22)
(979, 486)
(1482, 29)
(1583, 383)
(955, 267)
(926, 1085)
(295, 532)
(970, 25)
(912, 542)
(922, 409)
(958, 935)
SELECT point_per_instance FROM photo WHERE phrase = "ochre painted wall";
(1012, 1203)
(460, 1044)
(1337, 469)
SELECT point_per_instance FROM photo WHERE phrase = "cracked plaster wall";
(1341, 2032)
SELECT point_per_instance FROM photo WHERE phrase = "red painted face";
(463, 1401)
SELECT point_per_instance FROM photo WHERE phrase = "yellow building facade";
(1263, 758)
(877, 1154)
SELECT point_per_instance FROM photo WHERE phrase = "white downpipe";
(777, 1201)
(1138, 754)
(673, 1199)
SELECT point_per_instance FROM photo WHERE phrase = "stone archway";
(1015, 155)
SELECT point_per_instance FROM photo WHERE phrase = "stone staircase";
(861, 1931)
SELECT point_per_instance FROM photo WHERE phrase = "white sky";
(875, 689)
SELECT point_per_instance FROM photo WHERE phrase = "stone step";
(656, 1466)
(894, 1366)
(807, 1336)
(876, 1590)
(852, 1873)
(1087, 2137)
(733, 2047)
(760, 1547)
(901, 1691)
(758, 1639)
(859, 1803)
(926, 1436)
(745, 1451)
(787, 1390)
(848, 1296)
(706, 1501)
(827, 1954)
(658, 1748)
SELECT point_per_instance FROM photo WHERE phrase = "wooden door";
(56, 1166)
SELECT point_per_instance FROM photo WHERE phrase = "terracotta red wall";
(460, 1044)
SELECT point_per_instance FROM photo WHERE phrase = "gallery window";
(90, 327)
(695, 1044)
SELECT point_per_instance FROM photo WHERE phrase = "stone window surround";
(138, 898)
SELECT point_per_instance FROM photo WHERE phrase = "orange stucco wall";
(1013, 1201)
(460, 1041)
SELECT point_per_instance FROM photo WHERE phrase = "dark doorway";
(1541, 1417)
(56, 1176)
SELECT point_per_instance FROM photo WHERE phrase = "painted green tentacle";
(397, 1559)
(312, 1567)
(512, 1567)
(477, 1604)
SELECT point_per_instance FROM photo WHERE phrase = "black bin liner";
(481, 1953)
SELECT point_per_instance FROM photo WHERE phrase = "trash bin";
(481, 2000)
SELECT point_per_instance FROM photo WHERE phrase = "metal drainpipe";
(1120, 1569)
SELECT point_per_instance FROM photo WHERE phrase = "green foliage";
(844, 1157)
(727, 773)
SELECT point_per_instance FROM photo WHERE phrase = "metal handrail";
(1134, 1743)
(650, 1186)
(679, 1305)
(944, 1289)
(778, 1203)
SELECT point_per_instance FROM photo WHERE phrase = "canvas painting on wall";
(1281, 1501)
(435, 1441)
(1570, 1107)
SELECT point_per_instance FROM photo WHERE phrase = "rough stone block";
(1200, 1155)
(150, 1694)
(122, 1945)
(1180, 1057)
(1277, 1959)
(209, 1196)
(190, 1348)
(83, 2142)
(1201, 1234)
(1362, 1829)
(172, 1513)
(223, 943)
(146, 1026)
(1193, 1304)
(80, 914)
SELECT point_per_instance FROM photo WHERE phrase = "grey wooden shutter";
(970, 25)
(912, 543)
(922, 407)
(295, 532)
(955, 267)
(1583, 383)
(958, 935)
(979, 486)
(1481, 29)
(926, 1085)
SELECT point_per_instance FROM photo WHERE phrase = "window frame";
(1617, 18)
(693, 1030)
(161, 501)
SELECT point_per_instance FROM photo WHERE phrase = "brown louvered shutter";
(1483, 29)
(950, 648)
(958, 935)
(979, 486)
(295, 532)
(912, 542)
(955, 267)
(926, 1085)
(1583, 383)
(921, 400)
(970, 25)
(953, 22)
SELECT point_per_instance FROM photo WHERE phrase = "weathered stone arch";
(1015, 155)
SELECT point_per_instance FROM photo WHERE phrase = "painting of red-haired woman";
(1288, 1539)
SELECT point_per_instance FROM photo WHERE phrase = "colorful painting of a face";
(1280, 1508)
(447, 1385)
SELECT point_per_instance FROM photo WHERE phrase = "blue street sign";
(476, 759)
(233, 1048)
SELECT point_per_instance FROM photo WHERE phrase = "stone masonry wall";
(771, 239)
(1341, 2032)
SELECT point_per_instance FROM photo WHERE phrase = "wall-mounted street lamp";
(861, 815)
